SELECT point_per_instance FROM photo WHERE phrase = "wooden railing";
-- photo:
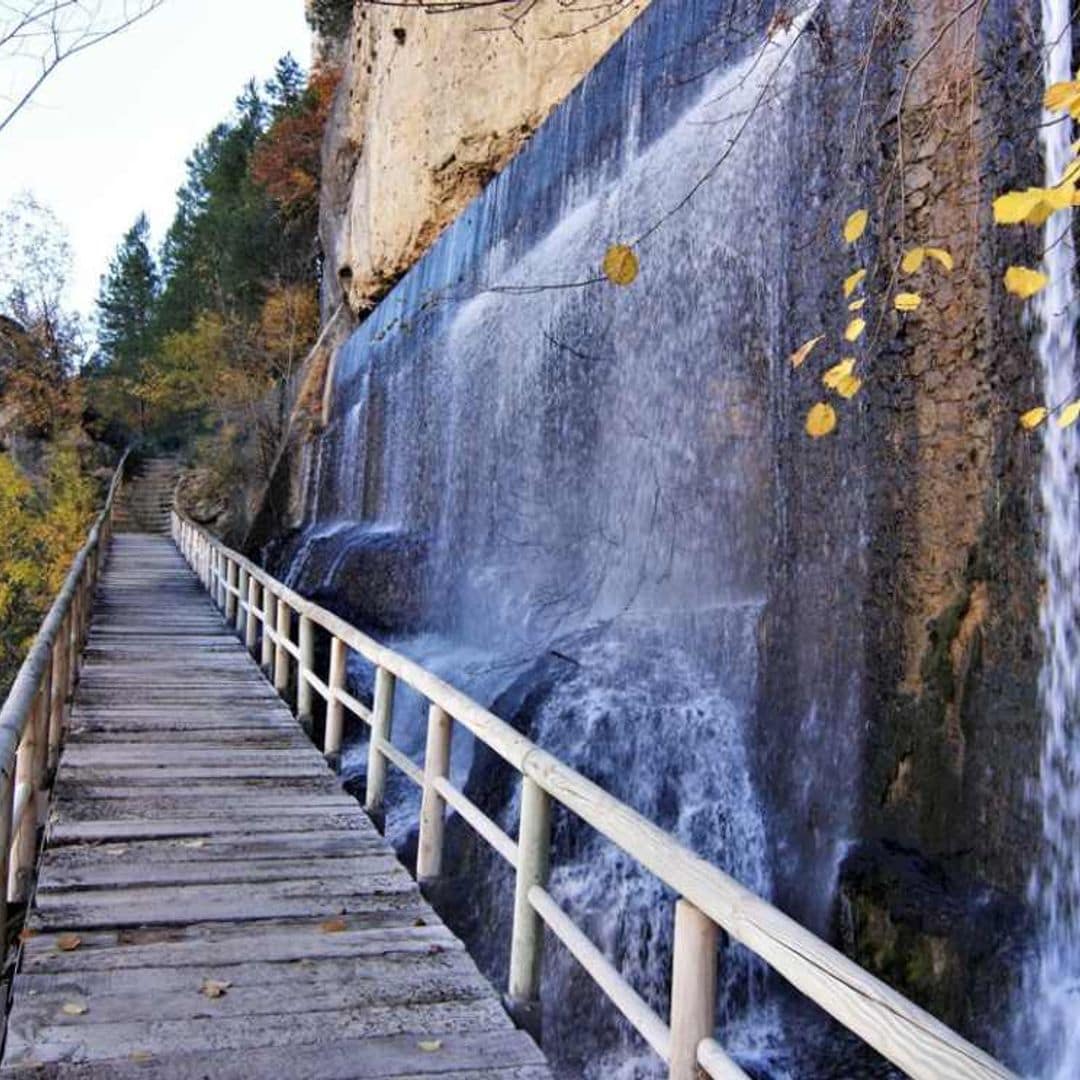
(33, 714)
(900, 1031)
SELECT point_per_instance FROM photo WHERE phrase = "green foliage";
(126, 302)
(331, 18)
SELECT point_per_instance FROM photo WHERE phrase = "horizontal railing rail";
(260, 606)
(32, 718)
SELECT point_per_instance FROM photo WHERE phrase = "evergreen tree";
(286, 89)
(126, 302)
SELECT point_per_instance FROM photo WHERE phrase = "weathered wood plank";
(508, 1055)
(196, 833)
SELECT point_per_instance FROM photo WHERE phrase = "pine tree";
(126, 302)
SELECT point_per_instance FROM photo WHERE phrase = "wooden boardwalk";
(210, 902)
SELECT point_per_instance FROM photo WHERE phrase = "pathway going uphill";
(145, 500)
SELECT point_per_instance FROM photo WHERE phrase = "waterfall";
(1053, 985)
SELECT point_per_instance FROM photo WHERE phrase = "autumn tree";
(35, 263)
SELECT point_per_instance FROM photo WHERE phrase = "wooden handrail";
(899, 1030)
(32, 715)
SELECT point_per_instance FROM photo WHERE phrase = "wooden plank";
(459, 1056)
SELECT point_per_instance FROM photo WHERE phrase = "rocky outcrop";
(432, 105)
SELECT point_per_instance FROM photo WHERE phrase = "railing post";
(269, 627)
(25, 838)
(56, 707)
(382, 719)
(281, 654)
(7, 794)
(241, 600)
(251, 631)
(693, 988)
(307, 661)
(335, 713)
(527, 937)
(40, 717)
(230, 597)
(429, 850)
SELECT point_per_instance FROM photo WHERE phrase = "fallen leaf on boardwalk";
(74, 1008)
(853, 281)
(1022, 282)
(855, 225)
(141, 1055)
(1033, 418)
(1069, 415)
(804, 350)
(430, 1044)
(68, 942)
(214, 988)
(820, 420)
(26, 933)
(419, 921)
(333, 926)
(907, 301)
(620, 265)
(193, 843)
(854, 329)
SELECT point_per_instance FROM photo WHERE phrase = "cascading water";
(580, 486)
(1052, 987)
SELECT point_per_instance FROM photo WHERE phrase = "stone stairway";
(147, 496)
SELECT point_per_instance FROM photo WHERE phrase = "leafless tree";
(36, 36)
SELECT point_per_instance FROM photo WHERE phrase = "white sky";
(108, 133)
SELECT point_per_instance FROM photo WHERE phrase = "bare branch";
(37, 36)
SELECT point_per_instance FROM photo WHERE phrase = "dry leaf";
(430, 1044)
(838, 371)
(804, 350)
(820, 420)
(853, 281)
(214, 988)
(941, 256)
(333, 926)
(26, 933)
(74, 1008)
(1033, 418)
(854, 329)
(140, 1056)
(620, 264)
(857, 305)
(907, 301)
(855, 225)
(1022, 282)
(1069, 415)
(68, 942)
(913, 260)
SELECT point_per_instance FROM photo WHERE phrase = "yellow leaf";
(854, 329)
(942, 256)
(1033, 418)
(907, 301)
(1071, 173)
(620, 264)
(912, 260)
(430, 1045)
(1022, 282)
(820, 420)
(74, 1008)
(804, 350)
(214, 988)
(853, 281)
(1063, 96)
(857, 305)
(848, 386)
(68, 942)
(855, 225)
(1069, 415)
(838, 372)
(1015, 206)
